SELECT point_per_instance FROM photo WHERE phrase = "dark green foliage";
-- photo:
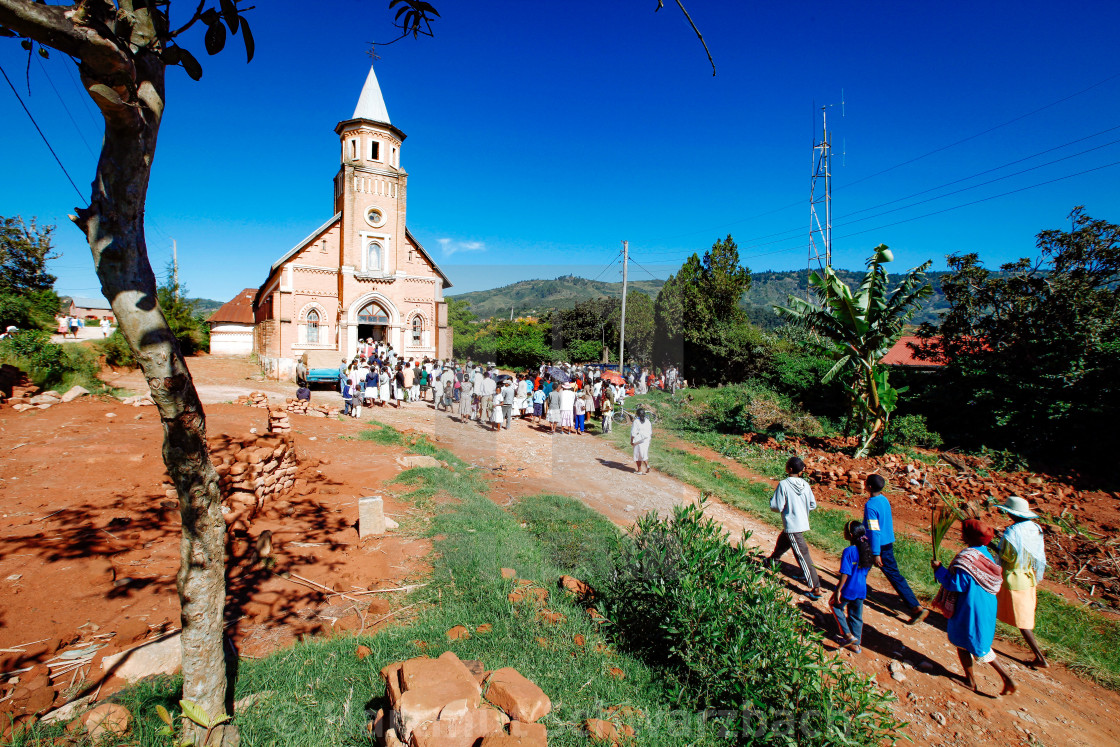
(582, 330)
(700, 325)
(47, 364)
(723, 629)
(27, 297)
(116, 351)
(516, 344)
(912, 430)
(188, 326)
(1033, 352)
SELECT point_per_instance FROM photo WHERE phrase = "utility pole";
(622, 324)
(820, 199)
(175, 265)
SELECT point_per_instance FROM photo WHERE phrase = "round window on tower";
(374, 216)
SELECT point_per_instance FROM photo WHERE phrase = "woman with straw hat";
(1022, 555)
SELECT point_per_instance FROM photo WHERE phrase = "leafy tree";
(1033, 351)
(27, 297)
(699, 323)
(859, 329)
(188, 326)
(122, 49)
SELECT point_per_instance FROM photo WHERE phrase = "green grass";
(318, 693)
(1076, 636)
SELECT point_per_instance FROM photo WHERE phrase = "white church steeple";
(371, 104)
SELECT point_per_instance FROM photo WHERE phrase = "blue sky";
(541, 135)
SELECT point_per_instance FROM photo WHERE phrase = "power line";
(40, 131)
(83, 95)
(65, 107)
(801, 247)
(609, 266)
(985, 132)
(643, 268)
(918, 158)
(789, 233)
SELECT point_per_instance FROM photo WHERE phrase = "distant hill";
(206, 306)
(539, 297)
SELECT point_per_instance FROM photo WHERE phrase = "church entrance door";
(375, 331)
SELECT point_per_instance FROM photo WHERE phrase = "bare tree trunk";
(114, 226)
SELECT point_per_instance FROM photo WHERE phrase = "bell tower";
(370, 189)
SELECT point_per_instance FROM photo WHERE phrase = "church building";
(362, 274)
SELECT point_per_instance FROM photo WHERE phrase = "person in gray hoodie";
(793, 499)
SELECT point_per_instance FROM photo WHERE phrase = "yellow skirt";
(1016, 607)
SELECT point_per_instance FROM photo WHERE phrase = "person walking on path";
(1022, 555)
(641, 434)
(466, 399)
(606, 408)
(879, 522)
(794, 499)
(968, 600)
(567, 409)
(847, 601)
(553, 409)
(580, 412)
(539, 398)
(488, 390)
(509, 396)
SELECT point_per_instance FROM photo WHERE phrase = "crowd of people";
(984, 582)
(561, 398)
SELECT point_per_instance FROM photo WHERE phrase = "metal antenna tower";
(820, 198)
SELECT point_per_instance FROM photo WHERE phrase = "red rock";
(424, 671)
(551, 618)
(362, 652)
(509, 573)
(616, 673)
(392, 676)
(577, 587)
(463, 731)
(105, 720)
(578, 639)
(484, 628)
(41, 699)
(458, 633)
(516, 695)
(529, 734)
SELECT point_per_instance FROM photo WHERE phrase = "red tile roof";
(237, 311)
(902, 355)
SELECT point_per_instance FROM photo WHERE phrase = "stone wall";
(253, 468)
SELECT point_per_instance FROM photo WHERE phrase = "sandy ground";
(70, 456)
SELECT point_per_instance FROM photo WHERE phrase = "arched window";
(417, 328)
(373, 257)
(313, 326)
(371, 313)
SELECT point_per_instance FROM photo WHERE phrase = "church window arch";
(374, 256)
(313, 327)
(372, 313)
(417, 330)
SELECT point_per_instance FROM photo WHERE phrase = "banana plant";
(858, 329)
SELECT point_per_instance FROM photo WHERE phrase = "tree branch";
(680, 4)
(55, 26)
(194, 19)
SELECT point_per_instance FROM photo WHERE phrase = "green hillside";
(539, 297)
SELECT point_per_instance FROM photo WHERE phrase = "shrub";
(723, 629)
(116, 351)
(912, 430)
(50, 365)
(753, 407)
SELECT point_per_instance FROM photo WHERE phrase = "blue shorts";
(538, 409)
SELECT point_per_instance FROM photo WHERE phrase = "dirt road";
(1053, 707)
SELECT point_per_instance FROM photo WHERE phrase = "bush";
(116, 351)
(50, 365)
(753, 407)
(912, 430)
(687, 600)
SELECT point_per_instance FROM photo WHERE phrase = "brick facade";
(361, 273)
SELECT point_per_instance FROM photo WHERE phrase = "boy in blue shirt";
(880, 533)
(847, 601)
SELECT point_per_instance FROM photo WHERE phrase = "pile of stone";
(15, 387)
(252, 468)
(138, 400)
(278, 421)
(446, 702)
(253, 399)
(304, 407)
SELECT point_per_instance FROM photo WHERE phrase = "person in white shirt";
(487, 391)
(567, 409)
(641, 433)
(105, 325)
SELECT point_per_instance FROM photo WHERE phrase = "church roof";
(301, 245)
(441, 273)
(237, 311)
(371, 104)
